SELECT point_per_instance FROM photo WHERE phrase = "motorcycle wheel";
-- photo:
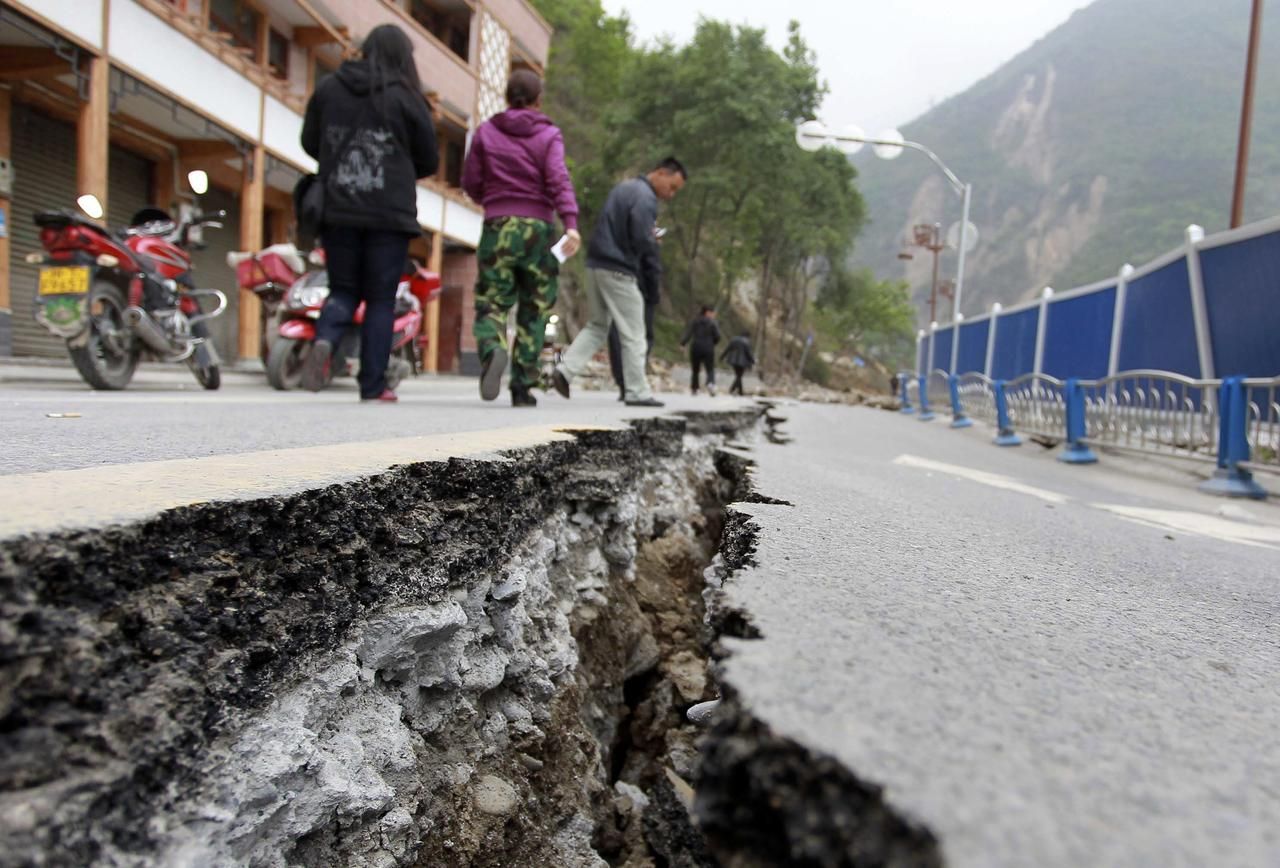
(284, 363)
(209, 376)
(109, 357)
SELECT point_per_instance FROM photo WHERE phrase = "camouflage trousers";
(517, 269)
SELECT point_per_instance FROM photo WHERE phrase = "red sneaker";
(387, 397)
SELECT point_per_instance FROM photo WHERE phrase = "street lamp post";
(814, 135)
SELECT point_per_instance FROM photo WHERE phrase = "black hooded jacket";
(371, 184)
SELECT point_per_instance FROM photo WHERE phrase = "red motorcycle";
(302, 306)
(113, 296)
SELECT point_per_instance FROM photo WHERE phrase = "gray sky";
(886, 61)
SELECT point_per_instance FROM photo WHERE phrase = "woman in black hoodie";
(370, 129)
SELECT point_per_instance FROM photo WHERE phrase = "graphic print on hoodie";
(360, 169)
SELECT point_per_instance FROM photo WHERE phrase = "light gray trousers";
(612, 297)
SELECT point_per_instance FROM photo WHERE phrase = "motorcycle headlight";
(308, 293)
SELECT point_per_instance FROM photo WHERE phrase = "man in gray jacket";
(623, 236)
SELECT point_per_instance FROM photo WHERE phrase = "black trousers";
(364, 265)
(736, 388)
(700, 358)
(615, 345)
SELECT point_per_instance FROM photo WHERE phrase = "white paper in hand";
(558, 249)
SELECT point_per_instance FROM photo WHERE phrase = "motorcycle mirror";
(199, 181)
(90, 205)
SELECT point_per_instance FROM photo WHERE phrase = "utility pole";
(1246, 115)
(929, 236)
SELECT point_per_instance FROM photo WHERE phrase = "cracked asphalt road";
(165, 414)
(1046, 665)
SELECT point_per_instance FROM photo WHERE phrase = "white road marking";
(1199, 524)
(994, 480)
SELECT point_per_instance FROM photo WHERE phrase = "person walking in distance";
(370, 129)
(516, 170)
(701, 335)
(624, 234)
(738, 356)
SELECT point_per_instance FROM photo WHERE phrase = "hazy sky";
(886, 61)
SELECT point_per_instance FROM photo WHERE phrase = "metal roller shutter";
(128, 186)
(44, 178)
(44, 160)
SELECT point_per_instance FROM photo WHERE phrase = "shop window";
(240, 21)
(278, 54)
(454, 155)
(450, 22)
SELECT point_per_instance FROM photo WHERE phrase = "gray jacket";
(623, 236)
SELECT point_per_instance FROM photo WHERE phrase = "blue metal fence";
(1077, 337)
(1180, 356)
(973, 345)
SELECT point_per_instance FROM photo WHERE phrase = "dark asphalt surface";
(1038, 679)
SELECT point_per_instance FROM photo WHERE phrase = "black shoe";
(491, 374)
(315, 370)
(522, 397)
(561, 382)
(645, 402)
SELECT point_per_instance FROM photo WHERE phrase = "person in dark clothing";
(650, 280)
(738, 356)
(625, 232)
(701, 335)
(370, 129)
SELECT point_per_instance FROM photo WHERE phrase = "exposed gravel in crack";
(374, 673)
(471, 663)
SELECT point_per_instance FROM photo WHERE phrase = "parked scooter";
(113, 296)
(268, 274)
(297, 332)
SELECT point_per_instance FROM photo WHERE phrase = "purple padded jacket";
(515, 168)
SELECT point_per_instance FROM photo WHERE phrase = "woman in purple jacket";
(516, 170)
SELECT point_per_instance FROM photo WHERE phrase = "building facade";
(122, 98)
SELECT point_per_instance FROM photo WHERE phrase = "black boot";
(522, 397)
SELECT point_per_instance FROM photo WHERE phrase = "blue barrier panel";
(942, 349)
(1077, 338)
(1159, 331)
(1242, 292)
(1015, 344)
(973, 347)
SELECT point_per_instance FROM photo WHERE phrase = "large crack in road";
(469, 662)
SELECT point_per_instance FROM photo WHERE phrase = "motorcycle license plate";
(64, 280)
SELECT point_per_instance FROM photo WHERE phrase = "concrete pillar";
(252, 203)
(93, 132)
(431, 363)
(6, 205)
